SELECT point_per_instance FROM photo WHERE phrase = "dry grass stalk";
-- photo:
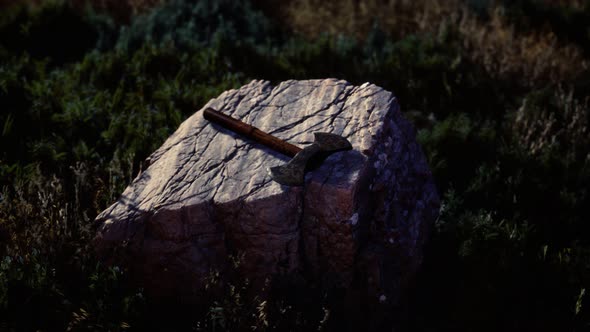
(563, 123)
(528, 57)
(356, 17)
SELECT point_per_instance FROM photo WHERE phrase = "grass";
(487, 32)
(497, 91)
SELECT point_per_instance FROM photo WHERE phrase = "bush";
(53, 31)
(506, 138)
(49, 278)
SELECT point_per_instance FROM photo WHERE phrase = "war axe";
(293, 172)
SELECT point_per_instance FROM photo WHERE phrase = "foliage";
(190, 24)
(512, 231)
(54, 30)
(49, 277)
(499, 103)
(493, 34)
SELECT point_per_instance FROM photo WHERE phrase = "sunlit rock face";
(361, 217)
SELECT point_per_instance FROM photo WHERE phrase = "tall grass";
(500, 106)
(487, 32)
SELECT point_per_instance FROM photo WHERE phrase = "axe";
(293, 172)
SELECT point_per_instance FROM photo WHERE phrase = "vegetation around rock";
(498, 92)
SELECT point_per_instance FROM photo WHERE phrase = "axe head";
(293, 172)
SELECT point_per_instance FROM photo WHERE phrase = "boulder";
(206, 195)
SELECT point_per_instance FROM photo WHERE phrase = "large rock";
(207, 194)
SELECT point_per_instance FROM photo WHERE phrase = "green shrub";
(54, 30)
(48, 274)
(509, 252)
(192, 24)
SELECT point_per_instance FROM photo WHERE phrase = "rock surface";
(207, 194)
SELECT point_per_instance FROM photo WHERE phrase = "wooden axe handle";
(251, 132)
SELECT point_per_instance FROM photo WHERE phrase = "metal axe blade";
(293, 172)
